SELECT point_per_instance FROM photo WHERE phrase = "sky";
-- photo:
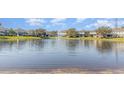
(52, 24)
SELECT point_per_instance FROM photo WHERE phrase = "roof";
(3, 29)
(118, 29)
(20, 30)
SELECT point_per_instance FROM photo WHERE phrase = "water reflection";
(11, 45)
(52, 52)
(37, 44)
(104, 46)
(88, 43)
(70, 45)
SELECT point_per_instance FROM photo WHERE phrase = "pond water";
(54, 53)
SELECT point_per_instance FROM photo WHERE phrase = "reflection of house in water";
(119, 46)
(89, 43)
(38, 44)
(72, 44)
(104, 46)
(12, 44)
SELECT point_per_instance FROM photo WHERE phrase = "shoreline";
(89, 38)
(66, 38)
(18, 37)
(61, 71)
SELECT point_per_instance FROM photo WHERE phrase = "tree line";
(71, 32)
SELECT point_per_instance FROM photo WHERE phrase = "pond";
(93, 55)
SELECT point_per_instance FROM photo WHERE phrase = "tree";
(12, 32)
(40, 32)
(52, 33)
(31, 32)
(0, 24)
(103, 31)
(87, 34)
(122, 27)
(72, 32)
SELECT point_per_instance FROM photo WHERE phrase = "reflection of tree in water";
(10, 44)
(88, 43)
(37, 44)
(119, 46)
(72, 44)
(104, 46)
(20, 44)
(53, 43)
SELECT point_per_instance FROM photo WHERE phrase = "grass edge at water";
(18, 37)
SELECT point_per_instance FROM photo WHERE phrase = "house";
(21, 32)
(3, 31)
(117, 32)
(61, 33)
(81, 33)
(93, 33)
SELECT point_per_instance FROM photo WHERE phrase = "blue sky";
(59, 23)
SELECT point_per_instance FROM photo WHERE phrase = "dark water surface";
(53, 53)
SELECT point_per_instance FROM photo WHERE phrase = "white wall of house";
(118, 33)
(93, 33)
(82, 34)
(61, 33)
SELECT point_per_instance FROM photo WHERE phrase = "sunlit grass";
(68, 38)
(106, 39)
(88, 38)
(18, 37)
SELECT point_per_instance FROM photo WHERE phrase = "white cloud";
(103, 23)
(79, 20)
(100, 23)
(121, 23)
(35, 21)
(88, 26)
(58, 21)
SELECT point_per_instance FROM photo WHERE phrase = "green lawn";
(18, 37)
(62, 38)
(89, 38)
(106, 39)
(78, 38)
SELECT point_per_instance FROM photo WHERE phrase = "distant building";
(61, 33)
(3, 31)
(117, 32)
(81, 33)
(21, 32)
(93, 33)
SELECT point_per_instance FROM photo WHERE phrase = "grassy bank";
(67, 38)
(89, 38)
(63, 38)
(18, 37)
(105, 39)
